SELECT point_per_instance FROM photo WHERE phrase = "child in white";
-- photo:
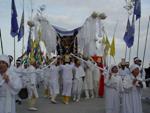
(113, 83)
(78, 81)
(54, 81)
(132, 86)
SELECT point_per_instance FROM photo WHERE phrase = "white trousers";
(67, 86)
(77, 88)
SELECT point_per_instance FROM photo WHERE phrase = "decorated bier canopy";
(66, 40)
(64, 32)
(83, 37)
(87, 36)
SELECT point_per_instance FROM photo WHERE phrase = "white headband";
(133, 66)
(5, 58)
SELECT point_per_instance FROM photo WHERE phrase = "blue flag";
(14, 22)
(129, 34)
(137, 9)
(21, 29)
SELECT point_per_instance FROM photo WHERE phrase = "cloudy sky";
(70, 14)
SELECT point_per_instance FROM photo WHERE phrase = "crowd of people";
(72, 78)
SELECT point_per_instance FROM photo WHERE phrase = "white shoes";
(92, 96)
(33, 109)
(77, 100)
(66, 103)
(86, 98)
(74, 99)
(53, 101)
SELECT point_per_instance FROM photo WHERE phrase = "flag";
(103, 40)
(137, 9)
(112, 48)
(107, 45)
(21, 29)
(14, 22)
(126, 37)
(129, 34)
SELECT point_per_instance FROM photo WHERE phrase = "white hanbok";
(31, 86)
(78, 82)
(8, 91)
(131, 97)
(124, 72)
(54, 79)
(113, 87)
(88, 82)
(96, 77)
(46, 78)
(67, 76)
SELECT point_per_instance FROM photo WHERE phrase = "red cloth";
(101, 79)
(101, 82)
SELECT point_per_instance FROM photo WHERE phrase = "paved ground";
(85, 106)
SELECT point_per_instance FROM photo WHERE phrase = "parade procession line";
(95, 105)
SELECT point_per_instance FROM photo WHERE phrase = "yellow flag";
(103, 40)
(107, 43)
(107, 46)
(112, 48)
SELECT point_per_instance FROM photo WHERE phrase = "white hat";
(112, 66)
(5, 58)
(133, 66)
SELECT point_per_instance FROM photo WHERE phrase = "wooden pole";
(1, 42)
(129, 55)
(23, 35)
(125, 53)
(146, 42)
(14, 51)
(139, 29)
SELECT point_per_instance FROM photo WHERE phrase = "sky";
(70, 14)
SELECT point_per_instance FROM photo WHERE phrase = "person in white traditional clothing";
(138, 62)
(54, 81)
(10, 60)
(11, 66)
(19, 68)
(46, 81)
(78, 81)
(131, 97)
(88, 81)
(31, 86)
(67, 76)
(96, 77)
(123, 71)
(113, 83)
(9, 87)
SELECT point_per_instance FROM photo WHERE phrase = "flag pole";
(129, 55)
(125, 53)
(139, 29)
(14, 50)
(114, 60)
(146, 42)
(31, 9)
(23, 35)
(1, 42)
